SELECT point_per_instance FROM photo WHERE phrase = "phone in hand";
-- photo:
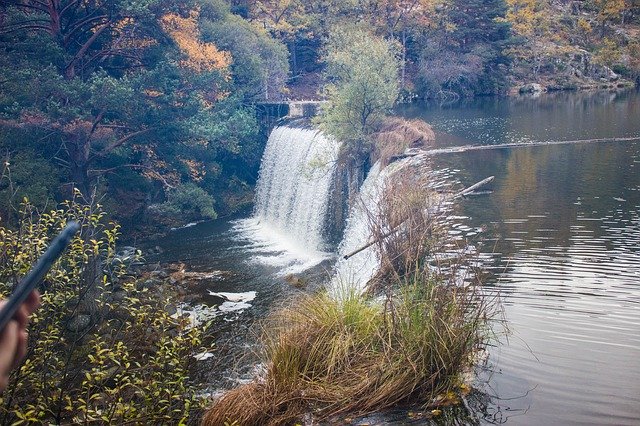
(37, 273)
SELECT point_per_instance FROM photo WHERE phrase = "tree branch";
(98, 172)
(118, 143)
(69, 68)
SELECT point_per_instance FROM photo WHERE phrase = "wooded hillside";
(150, 105)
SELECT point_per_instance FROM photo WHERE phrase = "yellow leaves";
(584, 25)
(199, 56)
(609, 9)
(197, 170)
(526, 16)
(465, 389)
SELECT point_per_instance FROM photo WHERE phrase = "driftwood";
(395, 229)
(370, 243)
(473, 187)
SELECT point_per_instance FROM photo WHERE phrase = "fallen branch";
(473, 187)
(395, 229)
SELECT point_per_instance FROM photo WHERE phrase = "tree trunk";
(404, 57)
(79, 151)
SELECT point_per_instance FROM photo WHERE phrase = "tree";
(260, 65)
(362, 75)
(472, 32)
(608, 11)
(117, 86)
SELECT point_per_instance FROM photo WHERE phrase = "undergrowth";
(101, 349)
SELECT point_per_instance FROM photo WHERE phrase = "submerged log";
(466, 148)
(473, 187)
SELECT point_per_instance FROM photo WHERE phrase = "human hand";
(13, 339)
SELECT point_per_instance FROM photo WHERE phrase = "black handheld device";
(39, 270)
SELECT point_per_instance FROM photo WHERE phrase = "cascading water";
(292, 196)
(352, 274)
(355, 272)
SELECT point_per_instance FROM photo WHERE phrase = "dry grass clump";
(408, 227)
(397, 134)
(349, 354)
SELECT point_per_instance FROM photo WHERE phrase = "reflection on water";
(556, 116)
(564, 229)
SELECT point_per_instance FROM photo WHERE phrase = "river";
(561, 243)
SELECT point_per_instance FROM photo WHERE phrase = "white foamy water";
(354, 273)
(292, 197)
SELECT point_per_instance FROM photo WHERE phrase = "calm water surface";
(563, 242)
(563, 231)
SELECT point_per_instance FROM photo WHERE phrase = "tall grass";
(407, 340)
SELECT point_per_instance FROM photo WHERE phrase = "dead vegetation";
(398, 134)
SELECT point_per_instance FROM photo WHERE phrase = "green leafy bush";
(100, 350)
(188, 201)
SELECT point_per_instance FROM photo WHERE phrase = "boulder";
(79, 322)
(531, 88)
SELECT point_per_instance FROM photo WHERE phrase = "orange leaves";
(199, 56)
(197, 170)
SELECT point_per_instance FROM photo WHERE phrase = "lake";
(563, 232)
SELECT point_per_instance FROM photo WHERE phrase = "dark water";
(563, 228)
(563, 239)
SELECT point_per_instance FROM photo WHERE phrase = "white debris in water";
(200, 314)
(202, 356)
(196, 314)
(247, 296)
(188, 225)
(233, 306)
(214, 275)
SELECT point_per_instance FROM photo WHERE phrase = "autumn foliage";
(199, 56)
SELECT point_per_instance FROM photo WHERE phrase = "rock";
(295, 281)
(160, 274)
(150, 283)
(79, 322)
(118, 296)
(531, 88)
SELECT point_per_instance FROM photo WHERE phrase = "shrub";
(188, 200)
(100, 350)
(396, 135)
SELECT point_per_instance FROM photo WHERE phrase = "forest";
(150, 106)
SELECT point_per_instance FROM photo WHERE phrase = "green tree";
(119, 86)
(260, 66)
(362, 76)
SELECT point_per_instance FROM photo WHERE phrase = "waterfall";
(356, 271)
(292, 197)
